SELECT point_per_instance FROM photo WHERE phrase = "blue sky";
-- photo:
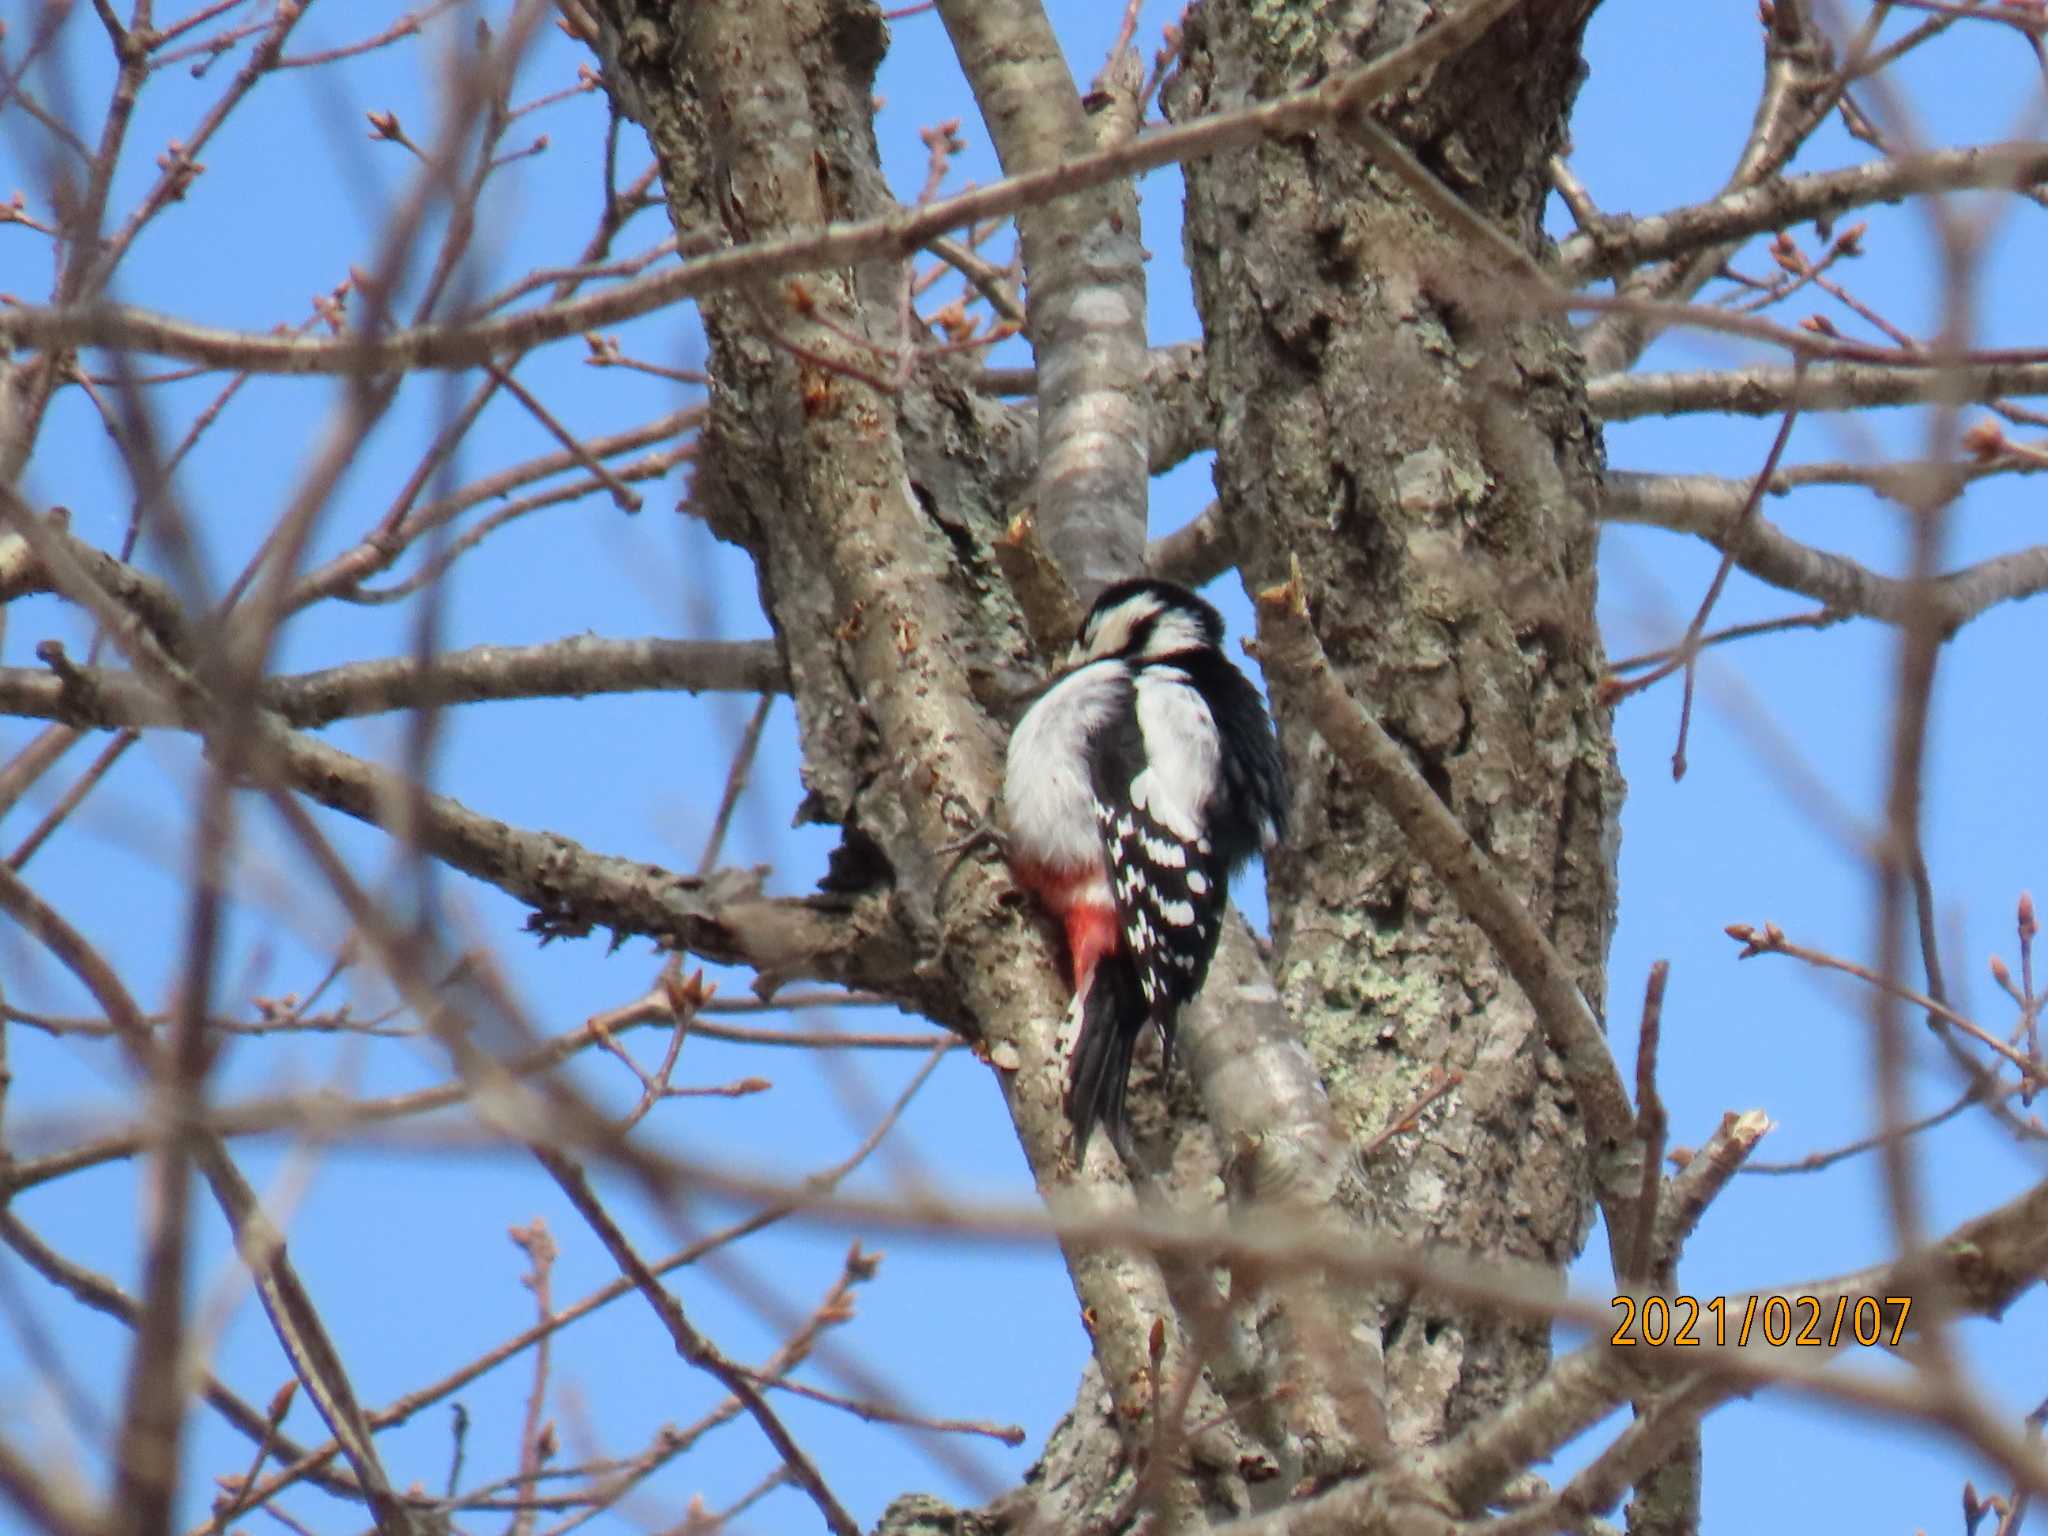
(406, 1254)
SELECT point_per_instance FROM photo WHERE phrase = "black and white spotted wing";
(1167, 878)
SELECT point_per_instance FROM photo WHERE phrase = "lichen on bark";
(1429, 460)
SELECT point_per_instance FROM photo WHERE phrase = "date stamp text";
(1821, 1322)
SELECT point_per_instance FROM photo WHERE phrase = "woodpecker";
(1138, 782)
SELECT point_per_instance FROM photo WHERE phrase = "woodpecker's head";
(1145, 620)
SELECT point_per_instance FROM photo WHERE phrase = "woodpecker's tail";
(1112, 1018)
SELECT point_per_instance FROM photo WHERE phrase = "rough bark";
(1431, 463)
(872, 520)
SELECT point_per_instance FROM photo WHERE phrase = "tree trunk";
(1429, 459)
(1431, 463)
(872, 517)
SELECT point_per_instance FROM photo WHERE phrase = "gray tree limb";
(1085, 270)
(577, 667)
(1752, 208)
(1768, 388)
(1710, 508)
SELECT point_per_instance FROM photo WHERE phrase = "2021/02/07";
(1817, 1321)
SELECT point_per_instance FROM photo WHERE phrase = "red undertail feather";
(1079, 898)
(1108, 1007)
(1091, 934)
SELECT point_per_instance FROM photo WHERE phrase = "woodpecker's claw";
(986, 835)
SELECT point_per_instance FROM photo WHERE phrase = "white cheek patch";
(1108, 633)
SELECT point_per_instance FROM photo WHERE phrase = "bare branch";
(302, 1335)
(1768, 388)
(309, 1465)
(575, 667)
(1616, 244)
(568, 668)
(1710, 508)
(1196, 554)
(45, 1501)
(1799, 92)
(1087, 282)
(692, 1345)
(1771, 940)
(103, 1296)
(838, 245)
(575, 891)
(1664, 1425)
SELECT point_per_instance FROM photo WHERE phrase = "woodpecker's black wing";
(1168, 877)
(1169, 913)
(1253, 810)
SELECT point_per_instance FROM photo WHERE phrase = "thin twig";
(1652, 1125)
(897, 233)
(1813, 1162)
(882, 1413)
(735, 783)
(69, 801)
(1819, 618)
(1771, 940)
(1440, 1083)
(1687, 652)
(538, 1244)
(690, 1344)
